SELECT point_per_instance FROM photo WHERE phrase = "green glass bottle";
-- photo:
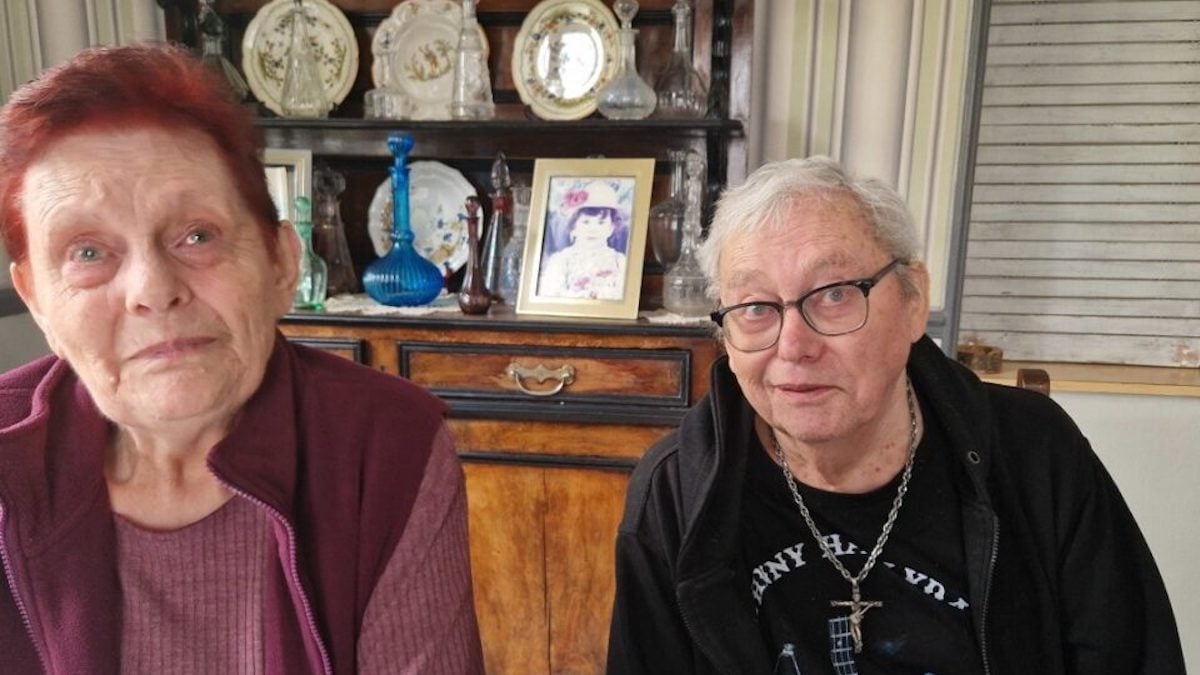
(314, 275)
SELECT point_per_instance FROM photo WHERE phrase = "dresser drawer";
(550, 375)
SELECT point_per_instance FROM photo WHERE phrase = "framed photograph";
(289, 175)
(586, 237)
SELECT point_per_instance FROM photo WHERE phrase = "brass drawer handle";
(564, 374)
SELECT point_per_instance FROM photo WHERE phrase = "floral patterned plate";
(437, 196)
(414, 50)
(565, 53)
(265, 48)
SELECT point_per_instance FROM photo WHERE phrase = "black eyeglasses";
(834, 309)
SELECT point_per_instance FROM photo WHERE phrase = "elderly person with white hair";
(847, 499)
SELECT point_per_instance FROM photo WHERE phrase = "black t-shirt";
(924, 624)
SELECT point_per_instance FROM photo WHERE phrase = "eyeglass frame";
(863, 285)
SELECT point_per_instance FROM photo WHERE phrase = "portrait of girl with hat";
(586, 237)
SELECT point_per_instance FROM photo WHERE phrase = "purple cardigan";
(332, 451)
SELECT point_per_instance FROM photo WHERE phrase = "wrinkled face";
(593, 227)
(812, 387)
(147, 273)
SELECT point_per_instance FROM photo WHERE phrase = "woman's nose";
(153, 282)
(797, 340)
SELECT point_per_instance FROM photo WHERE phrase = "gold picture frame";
(586, 238)
(289, 175)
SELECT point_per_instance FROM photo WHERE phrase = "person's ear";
(23, 284)
(288, 250)
(918, 299)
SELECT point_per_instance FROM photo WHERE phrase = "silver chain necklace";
(858, 606)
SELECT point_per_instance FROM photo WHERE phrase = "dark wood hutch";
(546, 474)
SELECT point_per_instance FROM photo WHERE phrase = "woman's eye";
(835, 296)
(86, 254)
(198, 237)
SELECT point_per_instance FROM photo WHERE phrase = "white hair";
(766, 196)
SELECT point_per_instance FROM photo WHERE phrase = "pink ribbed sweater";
(193, 597)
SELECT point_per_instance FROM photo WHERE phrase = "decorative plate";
(265, 48)
(566, 52)
(437, 196)
(419, 42)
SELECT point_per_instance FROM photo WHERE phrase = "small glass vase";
(303, 93)
(329, 232)
(472, 93)
(666, 217)
(627, 96)
(474, 297)
(684, 285)
(498, 227)
(402, 278)
(312, 280)
(682, 92)
(514, 250)
(212, 51)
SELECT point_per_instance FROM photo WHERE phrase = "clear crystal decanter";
(684, 285)
(627, 96)
(681, 90)
(514, 250)
(212, 50)
(666, 217)
(472, 93)
(303, 91)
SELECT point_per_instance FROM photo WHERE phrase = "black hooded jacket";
(1059, 576)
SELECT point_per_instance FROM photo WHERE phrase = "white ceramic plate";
(265, 47)
(566, 52)
(437, 197)
(418, 41)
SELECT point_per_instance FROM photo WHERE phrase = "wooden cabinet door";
(542, 561)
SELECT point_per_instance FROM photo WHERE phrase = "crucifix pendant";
(858, 607)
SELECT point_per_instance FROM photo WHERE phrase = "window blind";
(1084, 235)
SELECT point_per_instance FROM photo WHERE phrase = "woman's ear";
(288, 250)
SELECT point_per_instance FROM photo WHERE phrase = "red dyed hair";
(110, 88)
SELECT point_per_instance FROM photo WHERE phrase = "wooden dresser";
(547, 461)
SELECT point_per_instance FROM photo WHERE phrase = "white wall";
(1150, 446)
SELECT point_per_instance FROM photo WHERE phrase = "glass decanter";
(303, 91)
(402, 277)
(514, 250)
(212, 50)
(627, 96)
(474, 297)
(666, 217)
(387, 101)
(312, 283)
(329, 233)
(681, 90)
(684, 285)
(497, 233)
(472, 93)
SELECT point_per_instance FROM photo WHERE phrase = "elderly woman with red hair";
(181, 489)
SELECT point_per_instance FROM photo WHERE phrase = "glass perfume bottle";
(402, 277)
(681, 90)
(627, 96)
(514, 250)
(212, 50)
(666, 217)
(329, 233)
(303, 91)
(472, 93)
(311, 288)
(498, 228)
(684, 285)
(474, 297)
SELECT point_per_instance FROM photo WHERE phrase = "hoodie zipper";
(293, 569)
(987, 594)
(16, 593)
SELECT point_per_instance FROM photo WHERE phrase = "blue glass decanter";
(402, 278)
